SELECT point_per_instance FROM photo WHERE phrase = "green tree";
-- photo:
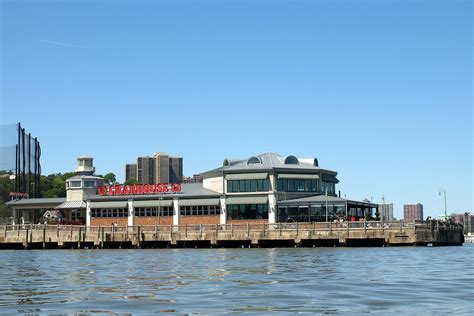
(6, 186)
(131, 181)
(110, 178)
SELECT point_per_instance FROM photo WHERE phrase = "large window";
(297, 185)
(109, 212)
(75, 184)
(247, 211)
(262, 185)
(331, 187)
(199, 210)
(153, 211)
(89, 183)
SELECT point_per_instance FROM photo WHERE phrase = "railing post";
(217, 229)
(102, 238)
(365, 227)
(231, 230)
(297, 228)
(279, 227)
(401, 225)
(248, 230)
(186, 230)
(79, 238)
(44, 237)
(200, 230)
(5, 231)
(26, 241)
(263, 229)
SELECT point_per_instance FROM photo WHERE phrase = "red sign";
(18, 195)
(135, 189)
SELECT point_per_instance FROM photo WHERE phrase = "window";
(247, 211)
(101, 212)
(89, 184)
(297, 185)
(75, 184)
(248, 185)
(201, 210)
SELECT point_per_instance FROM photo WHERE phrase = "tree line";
(51, 186)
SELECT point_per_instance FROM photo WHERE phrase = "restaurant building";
(266, 188)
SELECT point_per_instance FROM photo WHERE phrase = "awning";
(198, 202)
(247, 200)
(330, 178)
(153, 203)
(110, 204)
(247, 176)
(72, 205)
(297, 176)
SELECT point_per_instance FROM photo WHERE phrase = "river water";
(405, 280)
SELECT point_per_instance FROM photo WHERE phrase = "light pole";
(445, 204)
(326, 192)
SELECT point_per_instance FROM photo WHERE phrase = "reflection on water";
(316, 280)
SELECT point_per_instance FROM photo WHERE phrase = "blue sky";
(380, 91)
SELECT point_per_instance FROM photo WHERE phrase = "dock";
(298, 234)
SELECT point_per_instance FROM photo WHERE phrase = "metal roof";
(36, 201)
(322, 199)
(72, 205)
(269, 161)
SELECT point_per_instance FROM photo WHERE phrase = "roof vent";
(254, 160)
(315, 162)
(291, 160)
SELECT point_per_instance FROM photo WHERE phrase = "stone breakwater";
(346, 234)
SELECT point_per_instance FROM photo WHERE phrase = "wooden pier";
(349, 234)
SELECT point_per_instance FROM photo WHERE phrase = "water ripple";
(410, 280)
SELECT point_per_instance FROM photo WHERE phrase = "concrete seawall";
(352, 234)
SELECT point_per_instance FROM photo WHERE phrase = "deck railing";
(250, 227)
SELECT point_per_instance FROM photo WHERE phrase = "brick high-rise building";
(162, 168)
(131, 171)
(146, 170)
(413, 212)
(386, 210)
(176, 169)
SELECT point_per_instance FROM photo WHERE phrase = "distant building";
(386, 211)
(146, 169)
(176, 169)
(161, 168)
(466, 219)
(197, 178)
(413, 212)
(131, 171)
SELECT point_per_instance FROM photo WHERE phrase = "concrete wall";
(214, 184)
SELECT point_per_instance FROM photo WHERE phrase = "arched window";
(291, 160)
(253, 160)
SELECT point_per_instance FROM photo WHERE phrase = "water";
(408, 280)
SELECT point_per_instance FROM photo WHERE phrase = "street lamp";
(326, 190)
(445, 205)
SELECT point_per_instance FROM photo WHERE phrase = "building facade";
(266, 188)
(146, 169)
(175, 170)
(413, 212)
(161, 168)
(131, 172)
(386, 211)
